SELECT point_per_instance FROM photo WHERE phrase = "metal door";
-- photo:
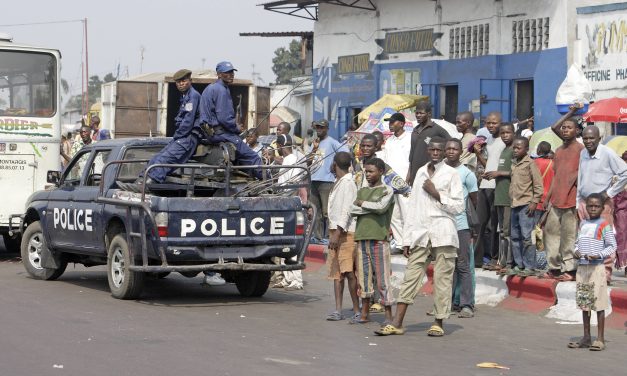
(496, 96)
(262, 109)
(432, 91)
(136, 106)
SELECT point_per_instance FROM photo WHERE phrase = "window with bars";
(469, 41)
(530, 35)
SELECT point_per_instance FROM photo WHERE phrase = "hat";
(396, 117)
(225, 66)
(284, 140)
(182, 74)
(321, 122)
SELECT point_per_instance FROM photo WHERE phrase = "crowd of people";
(71, 143)
(480, 200)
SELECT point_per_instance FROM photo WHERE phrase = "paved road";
(182, 328)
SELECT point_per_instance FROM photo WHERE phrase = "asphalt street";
(179, 327)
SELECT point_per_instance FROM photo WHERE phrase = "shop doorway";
(524, 99)
(449, 96)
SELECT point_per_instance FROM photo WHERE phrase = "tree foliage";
(93, 88)
(286, 62)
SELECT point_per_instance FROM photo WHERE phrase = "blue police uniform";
(216, 110)
(185, 139)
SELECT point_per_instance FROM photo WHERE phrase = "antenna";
(203, 62)
(257, 76)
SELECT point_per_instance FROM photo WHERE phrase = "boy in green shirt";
(373, 209)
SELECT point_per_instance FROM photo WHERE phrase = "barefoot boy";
(341, 257)
(373, 209)
(594, 243)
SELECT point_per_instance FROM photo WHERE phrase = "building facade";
(481, 56)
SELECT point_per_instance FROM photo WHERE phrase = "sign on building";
(602, 31)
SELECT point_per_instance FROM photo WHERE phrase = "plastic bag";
(575, 88)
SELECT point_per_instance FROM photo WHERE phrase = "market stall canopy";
(613, 110)
(616, 143)
(283, 114)
(396, 102)
(547, 135)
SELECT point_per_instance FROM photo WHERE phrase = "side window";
(73, 173)
(130, 171)
(97, 165)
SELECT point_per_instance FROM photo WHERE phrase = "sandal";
(435, 331)
(356, 319)
(578, 345)
(549, 275)
(597, 346)
(335, 316)
(389, 330)
(376, 308)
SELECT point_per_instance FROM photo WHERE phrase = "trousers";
(177, 151)
(244, 155)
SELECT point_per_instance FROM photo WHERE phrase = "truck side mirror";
(53, 177)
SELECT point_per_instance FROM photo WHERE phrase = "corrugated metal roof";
(279, 34)
(200, 76)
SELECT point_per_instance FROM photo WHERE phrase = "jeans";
(523, 250)
(504, 255)
(462, 273)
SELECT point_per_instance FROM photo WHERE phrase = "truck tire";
(12, 244)
(33, 243)
(124, 283)
(253, 284)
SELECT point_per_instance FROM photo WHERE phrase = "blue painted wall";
(547, 68)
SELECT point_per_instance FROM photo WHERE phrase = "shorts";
(342, 260)
(591, 292)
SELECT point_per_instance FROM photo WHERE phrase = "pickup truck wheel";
(33, 243)
(124, 283)
(12, 243)
(253, 284)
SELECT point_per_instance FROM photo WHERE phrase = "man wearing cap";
(324, 148)
(217, 112)
(185, 138)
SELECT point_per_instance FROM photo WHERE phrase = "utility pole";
(142, 49)
(85, 103)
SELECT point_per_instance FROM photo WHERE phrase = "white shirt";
(289, 175)
(396, 153)
(495, 148)
(430, 220)
(341, 198)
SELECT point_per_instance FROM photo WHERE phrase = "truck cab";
(206, 217)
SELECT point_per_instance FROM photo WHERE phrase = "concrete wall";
(343, 31)
(299, 102)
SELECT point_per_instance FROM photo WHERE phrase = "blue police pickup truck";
(209, 215)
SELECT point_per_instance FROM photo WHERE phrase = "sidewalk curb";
(618, 302)
(315, 257)
(530, 294)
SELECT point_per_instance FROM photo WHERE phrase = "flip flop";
(597, 346)
(376, 308)
(435, 331)
(334, 316)
(389, 330)
(578, 345)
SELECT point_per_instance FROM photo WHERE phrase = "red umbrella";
(613, 110)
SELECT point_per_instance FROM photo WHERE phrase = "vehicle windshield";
(27, 84)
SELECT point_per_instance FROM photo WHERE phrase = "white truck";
(146, 105)
(30, 128)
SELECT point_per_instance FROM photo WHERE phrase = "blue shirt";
(596, 173)
(216, 107)
(326, 151)
(469, 184)
(187, 117)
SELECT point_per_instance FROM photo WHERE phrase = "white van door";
(17, 182)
